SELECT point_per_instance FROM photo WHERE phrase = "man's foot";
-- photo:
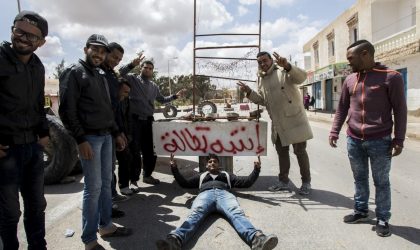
(279, 187)
(171, 243)
(126, 191)
(118, 232)
(117, 213)
(150, 180)
(134, 187)
(382, 228)
(264, 242)
(94, 245)
(305, 189)
(355, 218)
(119, 198)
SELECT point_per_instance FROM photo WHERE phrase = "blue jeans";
(211, 201)
(97, 199)
(378, 153)
(22, 169)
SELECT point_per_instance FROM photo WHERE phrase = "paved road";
(311, 222)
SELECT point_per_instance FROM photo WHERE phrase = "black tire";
(60, 155)
(206, 106)
(170, 111)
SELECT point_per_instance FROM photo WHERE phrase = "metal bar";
(194, 44)
(259, 50)
(227, 78)
(228, 58)
(228, 47)
(230, 34)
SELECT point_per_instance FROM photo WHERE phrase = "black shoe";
(117, 213)
(355, 218)
(171, 243)
(382, 228)
(264, 242)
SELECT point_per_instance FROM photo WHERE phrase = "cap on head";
(34, 19)
(99, 40)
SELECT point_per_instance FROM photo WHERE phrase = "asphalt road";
(300, 222)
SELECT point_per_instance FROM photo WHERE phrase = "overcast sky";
(164, 29)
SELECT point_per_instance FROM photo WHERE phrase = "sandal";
(119, 232)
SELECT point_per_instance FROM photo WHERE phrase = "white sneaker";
(134, 188)
(126, 191)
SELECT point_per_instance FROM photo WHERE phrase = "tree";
(59, 69)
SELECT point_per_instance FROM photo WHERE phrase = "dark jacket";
(85, 104)
(123, 117)
(369, 100)
(22, 115)
(220, 182)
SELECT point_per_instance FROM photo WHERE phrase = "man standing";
(86, 111)
(23, 132)
(278, 91)
(369, 97)
(112, 59)
(143, 94)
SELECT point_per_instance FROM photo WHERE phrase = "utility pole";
(169, 76)
(18, 2)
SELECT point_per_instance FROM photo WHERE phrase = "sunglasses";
(30, 37)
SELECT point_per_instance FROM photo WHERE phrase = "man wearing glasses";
(23, 132)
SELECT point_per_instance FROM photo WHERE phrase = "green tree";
(59, 69)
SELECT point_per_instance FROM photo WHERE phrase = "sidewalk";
(413, 123)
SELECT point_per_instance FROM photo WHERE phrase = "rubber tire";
(207, 103)
(170, 111)
(61, 154)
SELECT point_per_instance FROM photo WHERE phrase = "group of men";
(94, 107)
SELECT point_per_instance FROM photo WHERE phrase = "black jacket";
(22, 115)
(85, 105)
(220, 182)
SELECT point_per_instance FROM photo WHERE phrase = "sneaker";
(264, 242)
(171, 243)
(119, 198)
(134, 187)
(305, 189)
(279, 187)
(117, 213)
(126, 191)
(150, 180)
(382, 228)
(355, 217)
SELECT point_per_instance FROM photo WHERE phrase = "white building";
(391, 26)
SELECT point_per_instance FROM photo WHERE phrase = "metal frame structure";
(195, 49)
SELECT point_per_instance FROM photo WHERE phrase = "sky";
(164, 29)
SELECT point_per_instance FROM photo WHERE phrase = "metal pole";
(169, 80)
(259, 50)
(18, 2)
(193, 80)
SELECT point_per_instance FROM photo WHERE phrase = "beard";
(22, 51)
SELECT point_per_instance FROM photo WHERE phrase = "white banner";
(224, 138)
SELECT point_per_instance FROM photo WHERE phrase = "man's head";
(115, 55)
(213, 164)
(361, 55)
(28, 32)
(147, 69)
(264, 60)
(96, 49)
(124, 89)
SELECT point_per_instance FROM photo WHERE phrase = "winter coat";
(278, 92)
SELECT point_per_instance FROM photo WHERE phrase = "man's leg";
(299, 149)
(9, 197)
(123, 168)
(284, 161)
(359, 165)
(135, 147)
(147, 149)
(105, 199)
(228, 205)
(32, 190)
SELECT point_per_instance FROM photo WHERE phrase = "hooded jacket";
(368, 99)
(278, 91)
(22, 115)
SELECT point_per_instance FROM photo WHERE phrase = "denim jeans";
(211, 201)
(97, 200)
(22, 169)
(378, 153)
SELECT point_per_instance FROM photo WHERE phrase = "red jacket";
(369, 99)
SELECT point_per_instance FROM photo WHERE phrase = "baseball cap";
(97, 39)
(34, 19)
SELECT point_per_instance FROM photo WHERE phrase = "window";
(331, 46)
(353, 24)
(413, 16)
(315, 46)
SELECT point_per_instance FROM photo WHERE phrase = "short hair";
(123, 81)
(147, 62)
(213, 156)
(114, 45)
(263, 53)
(363, 45)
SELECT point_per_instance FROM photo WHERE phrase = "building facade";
(391, 26)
